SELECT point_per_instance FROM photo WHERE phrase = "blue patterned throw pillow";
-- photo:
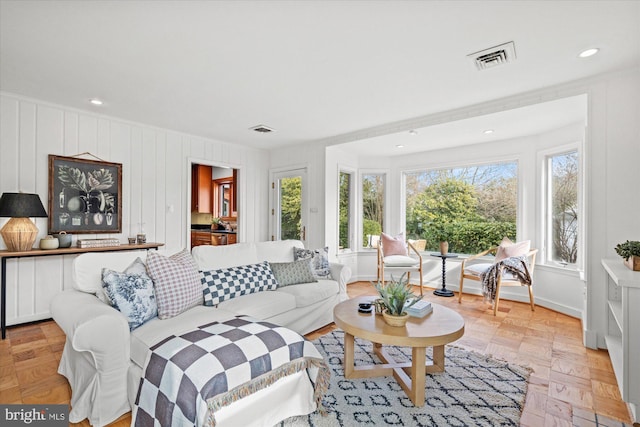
(319, 260)
(131, 293)
(227, 283)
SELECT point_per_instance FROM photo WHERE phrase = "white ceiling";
(313, 70)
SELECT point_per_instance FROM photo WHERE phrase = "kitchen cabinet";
(201, 189)
(200, 238)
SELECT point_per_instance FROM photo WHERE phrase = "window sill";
(567, 271)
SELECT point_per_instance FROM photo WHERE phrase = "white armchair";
(395, 263)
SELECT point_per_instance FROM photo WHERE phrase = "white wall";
(154, 186)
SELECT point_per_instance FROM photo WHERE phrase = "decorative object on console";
(97, 243)
(319, 260)
(226, 283)
(19, 233)
(64, 239)
(630, 251)
(177, 282)
(84, 195)
(397, 297)
(49, 242)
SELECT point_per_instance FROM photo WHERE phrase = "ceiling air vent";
(262, 129)
(493, 56)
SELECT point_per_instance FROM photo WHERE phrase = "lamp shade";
(21, 205)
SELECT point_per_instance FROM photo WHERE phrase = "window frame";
(520, 213)
(545, 231)
(385, 213)
(353, 195)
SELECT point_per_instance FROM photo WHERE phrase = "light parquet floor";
(570, 385)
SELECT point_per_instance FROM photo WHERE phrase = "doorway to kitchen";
(214, 204)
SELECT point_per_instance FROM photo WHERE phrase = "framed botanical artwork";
(85, 196)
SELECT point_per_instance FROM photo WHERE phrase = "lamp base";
(19, 234)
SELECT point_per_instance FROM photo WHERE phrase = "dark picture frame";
(85, 196)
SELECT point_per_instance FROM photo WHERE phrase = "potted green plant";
(630, 251)
(442, 233)
(396, 296)
(215, 223)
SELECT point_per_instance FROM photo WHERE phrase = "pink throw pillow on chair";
(394, 245)
(508, 249)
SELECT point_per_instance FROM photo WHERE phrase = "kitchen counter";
(208, 230)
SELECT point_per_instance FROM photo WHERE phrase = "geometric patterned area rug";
(474, 390)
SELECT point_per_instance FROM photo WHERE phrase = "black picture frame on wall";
(85, 196)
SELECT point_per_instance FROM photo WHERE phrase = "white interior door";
(289, 208)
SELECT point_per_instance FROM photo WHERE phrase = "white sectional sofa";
(103, 360)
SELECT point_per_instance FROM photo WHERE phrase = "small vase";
(444, 248)
(395, 320)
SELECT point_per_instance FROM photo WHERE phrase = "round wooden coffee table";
(436, 329)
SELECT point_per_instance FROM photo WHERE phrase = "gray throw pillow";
(293, 273)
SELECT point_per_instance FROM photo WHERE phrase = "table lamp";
(19, 233)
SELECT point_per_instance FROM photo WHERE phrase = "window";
(472, 207)
(372, 208)
(562, 207)
(345, 210)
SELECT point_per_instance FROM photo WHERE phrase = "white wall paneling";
(155, 176)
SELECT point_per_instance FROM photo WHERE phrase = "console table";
(5, 255)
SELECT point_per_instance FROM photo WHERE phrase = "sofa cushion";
(311, 293)
(292, 273)
(319, 259)
(87, 269)
(209, 257)
(277, 250)
(226, 283)
(177, 282)
(262, 305)
(131, 293)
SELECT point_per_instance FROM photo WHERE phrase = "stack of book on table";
(420, 309)
(98, 243)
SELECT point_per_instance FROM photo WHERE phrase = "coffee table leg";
(348, 355)
(438, 359)
(418, 375)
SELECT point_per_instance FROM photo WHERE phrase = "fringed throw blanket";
(188, 377)
(517, 266)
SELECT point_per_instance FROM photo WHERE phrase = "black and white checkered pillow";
(227, 283)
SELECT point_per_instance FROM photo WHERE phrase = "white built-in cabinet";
(623, 329)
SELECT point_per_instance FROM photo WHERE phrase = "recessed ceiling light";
(589, 52)
(413, 132)
(399, 146)
(488, 132)
(95, 101)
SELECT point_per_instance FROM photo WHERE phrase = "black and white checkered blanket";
(188, 377)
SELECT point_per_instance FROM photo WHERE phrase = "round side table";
(444, 292)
